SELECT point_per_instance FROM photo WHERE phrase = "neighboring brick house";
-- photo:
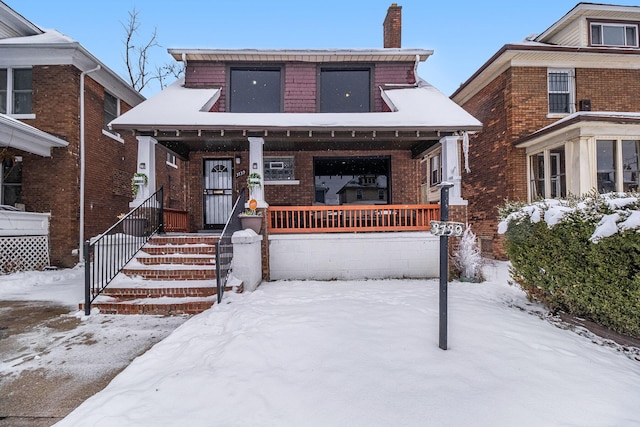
(308, 121)
(561, 115)
(41, 76)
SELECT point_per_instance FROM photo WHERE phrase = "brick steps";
(176, 272)
(186, 259)
(172, 275)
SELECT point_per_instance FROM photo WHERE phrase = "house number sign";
(447, 228)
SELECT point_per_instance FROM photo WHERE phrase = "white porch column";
(256, 165)
(147, 166)
(451, 168)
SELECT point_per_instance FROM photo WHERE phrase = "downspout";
(82, 162)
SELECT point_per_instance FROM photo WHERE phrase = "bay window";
(617, 165)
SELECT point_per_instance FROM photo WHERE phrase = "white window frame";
(9, 95)
(548, 158)
(276, 161)
(437, 157)
(618, 160)
(171, 160)
(571, 90)
(111, 133)
(622, 25)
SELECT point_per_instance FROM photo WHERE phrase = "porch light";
(143, 166)
(238, 160)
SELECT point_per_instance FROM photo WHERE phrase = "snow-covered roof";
(52, 47)
(580, 119)
(419, 107)
(16, 134)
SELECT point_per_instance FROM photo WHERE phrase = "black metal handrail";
(224, 246)
(106, 255)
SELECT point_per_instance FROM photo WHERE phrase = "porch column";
(256, 165)
(147, 166)
(451, 168)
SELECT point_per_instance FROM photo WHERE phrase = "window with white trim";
(111, 111)
(171, 159)
(547, 174)
(435, 170)
(16, 91)
(614, 34)
(617, 165)
(11, 180)
(561, 90)
(279, 168)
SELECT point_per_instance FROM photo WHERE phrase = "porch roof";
(419, 107)
(16, 134)
(599, 122)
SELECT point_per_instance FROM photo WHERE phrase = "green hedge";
(561, 267)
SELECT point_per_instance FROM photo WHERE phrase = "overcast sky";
(462, 34)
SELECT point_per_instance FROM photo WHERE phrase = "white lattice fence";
(21, 253)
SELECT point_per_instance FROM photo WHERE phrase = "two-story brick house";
(51, 83)
(560, 112)
(307, 121)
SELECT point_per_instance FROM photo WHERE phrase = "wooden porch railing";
(350, 218)
(176, 220)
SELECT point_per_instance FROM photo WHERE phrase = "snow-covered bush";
(580, 255)
(467, 258)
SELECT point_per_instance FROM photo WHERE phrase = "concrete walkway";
(51, 361)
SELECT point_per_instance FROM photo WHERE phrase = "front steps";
(173, 274)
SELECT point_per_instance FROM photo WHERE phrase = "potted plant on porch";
(251, 218)
(133, 226)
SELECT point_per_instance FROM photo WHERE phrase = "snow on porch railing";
(350, 218)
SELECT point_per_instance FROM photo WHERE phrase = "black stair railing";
(224, 246)
(106, 255)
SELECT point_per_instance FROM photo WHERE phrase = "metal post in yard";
(87, 279)
(444, 263)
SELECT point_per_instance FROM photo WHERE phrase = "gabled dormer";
(595, 25)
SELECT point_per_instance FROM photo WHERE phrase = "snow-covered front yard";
(365, 353)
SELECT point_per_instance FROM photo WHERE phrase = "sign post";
(444, 229)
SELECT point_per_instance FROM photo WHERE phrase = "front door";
(218, 192)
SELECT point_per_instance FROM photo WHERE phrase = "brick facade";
(51, 184)
(404, 179)
(300, 82)
(511, 106)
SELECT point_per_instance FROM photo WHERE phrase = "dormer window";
(255, 90)
(345, 90)
(614, 34)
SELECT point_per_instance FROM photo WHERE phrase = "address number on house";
(447, 228)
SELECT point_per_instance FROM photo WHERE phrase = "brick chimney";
(392, 27)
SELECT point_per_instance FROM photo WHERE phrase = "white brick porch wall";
(353, 256)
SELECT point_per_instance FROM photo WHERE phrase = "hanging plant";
(138, 180)
(253, 180)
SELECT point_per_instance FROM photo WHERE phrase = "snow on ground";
(96, 346)
(365, 353)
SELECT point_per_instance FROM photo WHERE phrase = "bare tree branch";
(136, 56)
